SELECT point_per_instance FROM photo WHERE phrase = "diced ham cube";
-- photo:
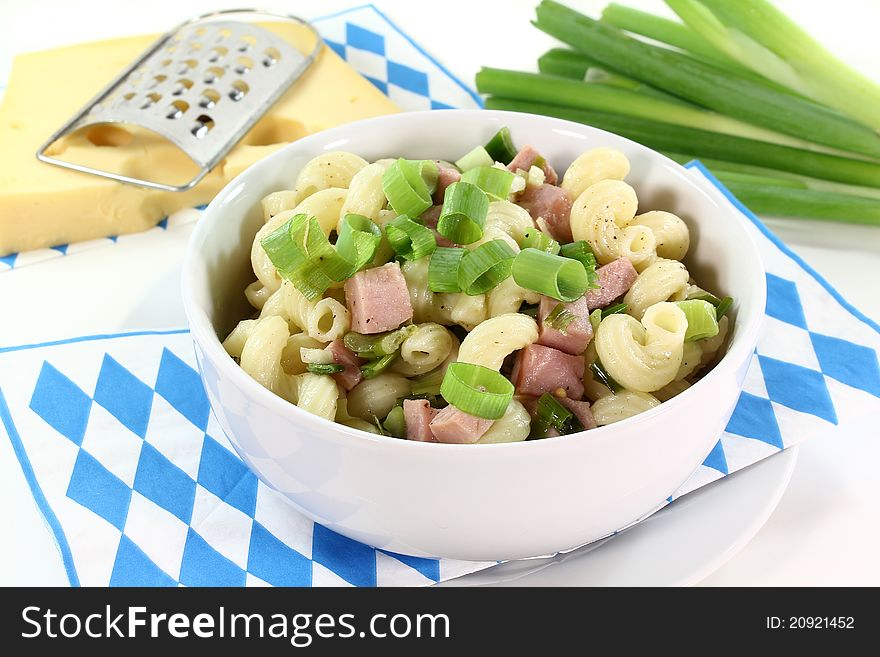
(342, 355)
(615, 279)
(577, 334)
(539, 369)
(418, 415)
(378, 299)
(445, 179)
(582, 411)
(451, 425)
(430, 218)
(526, 158)
(554, 205)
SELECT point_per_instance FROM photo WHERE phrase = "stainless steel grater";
(202, 86)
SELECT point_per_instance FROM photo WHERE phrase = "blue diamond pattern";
(125, 396)
(352, 561)
(9, 259)
(430, 568)
(99, 490)
(202, 565)
(784, 302)
(379, 84)
(753, 417)
(181, 387)
(437, 105)
(716, 459)
(163, 224)
(134, 568)
(408, 78)
(61, 403)
(338, 48)
(797, 387)
(363, 39)
(849, 363)
(159, 480)
(276, 563)
(225, 475)
(61, 248)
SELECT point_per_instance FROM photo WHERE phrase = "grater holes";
(271, 56)
(243, 64)
(165, 63)
(150, 100)
(127, 97)
(186, 65)
(177, 109)
(156, 81)
(245, 43)
(201, 31)
(239, 90)
(194, 47)
(223, 33)
(213, 74)
(182, 86)
(202, 126)
(217, 53)
(209, 98)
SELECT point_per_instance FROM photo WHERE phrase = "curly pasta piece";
(329, 320)
(334, 169)
(257, 294)
(491, 341)
(626, 403)
(291, 357)
(507, 297)
(505, 221)
(235, 341)
(261, 355)
(658, 282)
(594, 166)
(690, 360)
(602, 215)
(377, 396)
(317, 394)
(365, 194)
(424, 350)
(512, 427)
(643, 356)
(278, 202)
(670, 233)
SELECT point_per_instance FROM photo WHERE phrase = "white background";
(824, 531)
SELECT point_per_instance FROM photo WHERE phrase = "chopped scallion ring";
(501, 148)
(410, 240)
(583, 253)
(701, 319)
(492, 180)
(535, 239)
(478, 157)
(553, 276)
(408, 185)
(464, 211)
(485, 267)
(358, 240)
(552, 413)
(476, 390)
(443, 269)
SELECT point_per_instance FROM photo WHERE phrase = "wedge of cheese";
(44, 205)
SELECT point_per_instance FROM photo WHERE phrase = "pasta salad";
(483, 301)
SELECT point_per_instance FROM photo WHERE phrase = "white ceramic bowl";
(476, 502)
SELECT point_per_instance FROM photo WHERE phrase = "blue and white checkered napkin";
(139, 485)
(374, 47)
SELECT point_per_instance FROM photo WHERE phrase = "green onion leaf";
(379, 344)
(358, 240)
(410, 240)
(601, 375)
(464, 211)
(443, 269)
(476, 390)
(614, 310)
(492, 180)
(583, 253)
(722, 307)
(501, 148)
(559, 318)
(596, 319)
(552, 413)
(375, 367)
(485, 267)
(408, 185)
(478, 157)
(395, 423)
(329, 368)
(553, 276)
(535, 239)
(701, 318)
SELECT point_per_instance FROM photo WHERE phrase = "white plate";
(677, 546)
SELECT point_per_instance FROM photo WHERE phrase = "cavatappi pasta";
(485, 301)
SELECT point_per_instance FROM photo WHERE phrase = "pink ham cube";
(418, 415)
(576, 336)
(378, 299)
(615, 279)
(454, 426)
(539, 369)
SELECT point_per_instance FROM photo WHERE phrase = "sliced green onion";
(701, 318)
(379, 344)
(559, 318)
(535, 239)
(602, 376)
(614, 310)
(492, 180)
(375, 367)
(722, 307)
(358, 240)
(395, 422)
(501, 148)
(806, 203)
(408, 185)
(428, 384)
(583, 253)
(596, 319)
(485, 267)
(443, 269)
(701, 294)
(329, 368)
(478, 157)
(476, 390)
(464, 211)
(410, 240)
(538, 430)
(553, 276)
(552, 413)
(303, 255)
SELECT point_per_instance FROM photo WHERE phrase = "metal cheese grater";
(202, 86)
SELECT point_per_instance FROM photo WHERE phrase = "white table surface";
(825, 530)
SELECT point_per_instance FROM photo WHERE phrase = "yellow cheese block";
(44, 205)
